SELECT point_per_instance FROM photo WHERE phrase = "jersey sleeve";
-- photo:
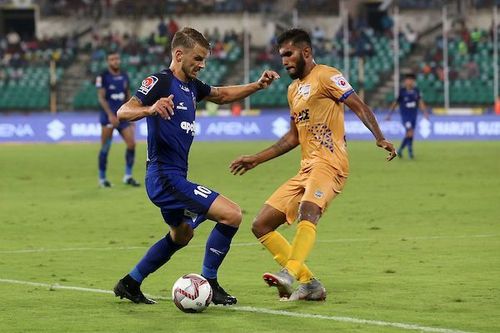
(202, 89)
(335, 85)
(149, 91)
(400, 96)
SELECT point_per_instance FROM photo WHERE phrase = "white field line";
(352, 320)
(340, 240)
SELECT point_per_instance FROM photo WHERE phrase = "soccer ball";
(192, 293)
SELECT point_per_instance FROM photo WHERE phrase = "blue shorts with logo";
(179, 199)
(104, 119)
(409, 122)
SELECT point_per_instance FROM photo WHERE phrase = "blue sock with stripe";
(218, 244)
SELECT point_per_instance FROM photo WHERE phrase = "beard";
(299, 69)
(115, 68)
(188, 72)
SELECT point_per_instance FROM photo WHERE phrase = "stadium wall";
(270, 125)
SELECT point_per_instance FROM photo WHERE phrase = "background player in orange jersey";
(317, 124)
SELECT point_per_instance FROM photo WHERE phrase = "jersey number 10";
(202, 191)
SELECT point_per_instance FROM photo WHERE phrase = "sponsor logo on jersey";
(181, 106)
(304, 90)
(188, 127)
(118, 97)
(318, 194)
(341, 82)
(186, 89)
(301, 116)
(147, 84)
(410, 105)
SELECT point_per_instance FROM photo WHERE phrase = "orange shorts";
(318, 185)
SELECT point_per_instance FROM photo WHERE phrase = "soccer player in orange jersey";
(317, 125)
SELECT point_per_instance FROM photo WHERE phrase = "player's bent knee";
(182, 239)
(182, 236)
(233, 217)
(259, 229)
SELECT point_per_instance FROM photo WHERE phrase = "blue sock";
(103, 158)
(403, 144)
(218, 244)
(410, 147)
(129, 161)
(156, 257)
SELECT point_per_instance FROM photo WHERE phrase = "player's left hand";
(267, 78)
(389, 147)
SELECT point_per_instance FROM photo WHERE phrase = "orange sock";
(301, 246)
(279, 247)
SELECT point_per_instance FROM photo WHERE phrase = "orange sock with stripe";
(279, 247)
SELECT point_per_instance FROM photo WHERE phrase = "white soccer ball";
(192, 293)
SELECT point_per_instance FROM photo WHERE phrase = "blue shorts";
(179, 199)
(409, 123)
(104, 119)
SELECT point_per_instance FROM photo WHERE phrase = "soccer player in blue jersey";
(409, 101)
(112, 91)
(168, 101)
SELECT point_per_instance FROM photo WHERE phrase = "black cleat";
(131, 181)
(133, 293)
(104, 183)
(219, 295)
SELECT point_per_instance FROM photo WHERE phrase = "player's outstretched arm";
(391, 110)
(134, 110)
(368, 118)
(229, 94)
(246, 162)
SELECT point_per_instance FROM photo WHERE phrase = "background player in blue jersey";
(409, 101)
(168, 101)
(112, 91)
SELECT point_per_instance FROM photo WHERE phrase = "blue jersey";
(115, 86)
(408, 100)
(169, 141)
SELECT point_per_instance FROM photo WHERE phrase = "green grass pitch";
(408, 242)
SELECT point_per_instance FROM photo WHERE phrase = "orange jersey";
(317, 110)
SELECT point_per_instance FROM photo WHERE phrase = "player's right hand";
(113, 120)
(242, 164)
(164, 107)
(389, 147)
(267, 78)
